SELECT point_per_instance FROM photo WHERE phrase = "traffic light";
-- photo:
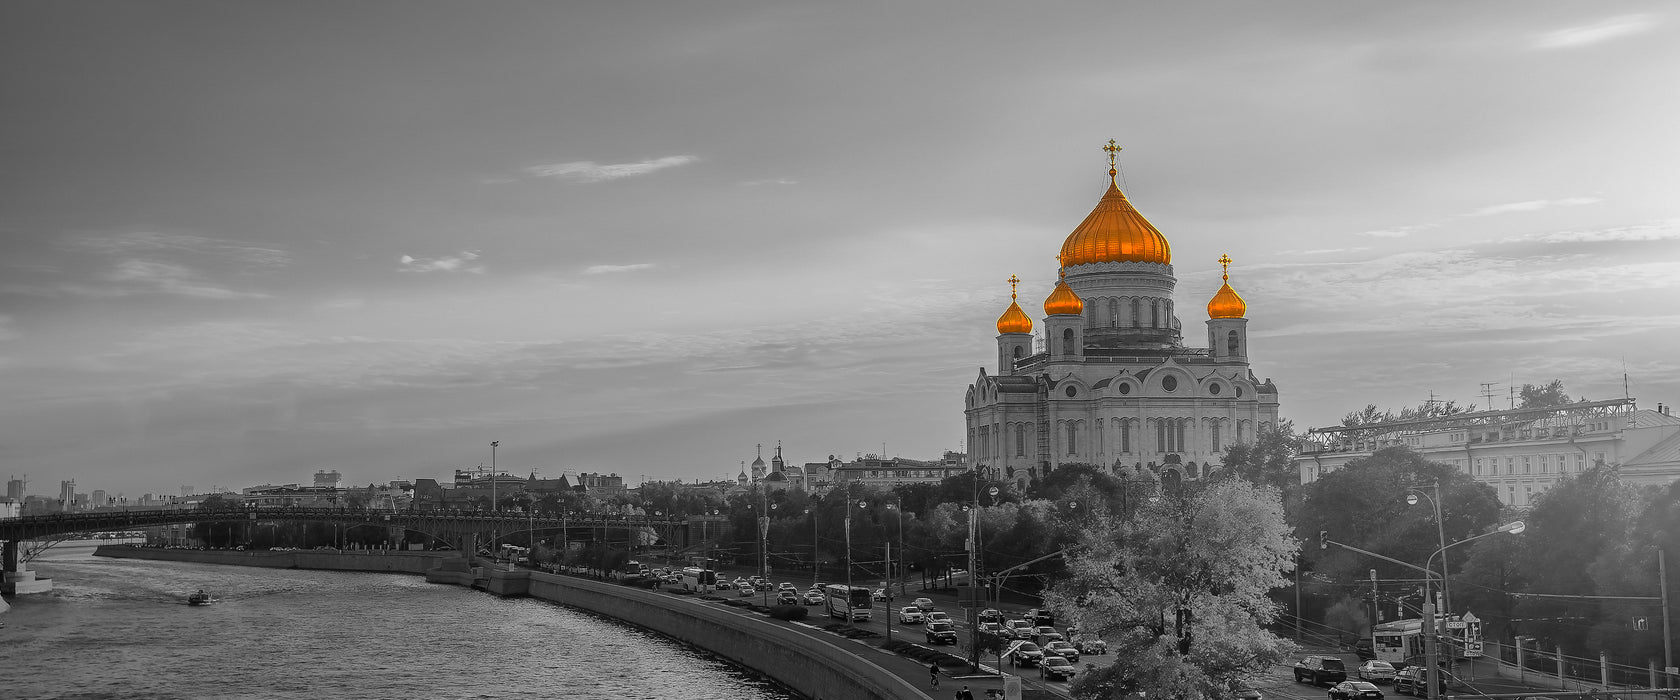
(1323, 539)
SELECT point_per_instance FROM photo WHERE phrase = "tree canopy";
(1182, 589)
(1543, 395)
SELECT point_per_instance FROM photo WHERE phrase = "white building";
(1114, 384)
(1520, 452)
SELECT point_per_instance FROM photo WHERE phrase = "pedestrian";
(933, 671)
(964, 694)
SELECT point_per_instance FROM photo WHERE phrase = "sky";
(241, 242)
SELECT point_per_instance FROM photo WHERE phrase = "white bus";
(852, 604)
(699, 580)
(1401, 641)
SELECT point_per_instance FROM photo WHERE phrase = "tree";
(1364, 505)
(1570, 527)
(1269, 461)
(1543, 396)
(1183, 590)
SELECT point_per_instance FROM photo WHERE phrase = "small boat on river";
(200, 598)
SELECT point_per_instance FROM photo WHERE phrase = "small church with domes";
(1113, 384)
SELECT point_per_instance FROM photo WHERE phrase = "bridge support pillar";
(17, 579)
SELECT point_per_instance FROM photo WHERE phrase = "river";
(120, 628)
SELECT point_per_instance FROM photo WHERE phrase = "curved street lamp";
(1412, 496)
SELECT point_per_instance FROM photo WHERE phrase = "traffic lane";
(918, 634)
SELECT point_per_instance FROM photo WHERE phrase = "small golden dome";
(1014, 320)
(1115, 231)
(1062, 300)
(1226, 303)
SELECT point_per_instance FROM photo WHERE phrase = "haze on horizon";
(243, 241)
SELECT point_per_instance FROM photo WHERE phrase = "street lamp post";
(1431, 641)
(816, 557)
(1440, 534)
(493, 445)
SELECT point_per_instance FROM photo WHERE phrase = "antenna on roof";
(1624, 378)
(1487, 394)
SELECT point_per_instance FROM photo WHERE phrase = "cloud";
(1597, 32)
(1643, 232)
(8, 330)
(1398, 231)
(608, 269)
(460, 262)
(154, 243)
(590, 171)
(1534, 205)
(151, 276)
(774, 181)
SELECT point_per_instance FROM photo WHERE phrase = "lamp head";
(1515, 528)
(1411, 499)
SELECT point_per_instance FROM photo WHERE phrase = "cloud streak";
(1534, 205)
(609, 269)
(588, 171)
(460, 262)
(1595, 33)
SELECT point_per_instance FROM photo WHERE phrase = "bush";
(789, 612)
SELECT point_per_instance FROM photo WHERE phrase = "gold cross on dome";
(1225, 264)
(1013, 280)
(1112, 150)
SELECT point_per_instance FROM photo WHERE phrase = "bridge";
(459, 529)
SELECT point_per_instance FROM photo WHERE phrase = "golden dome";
(1014, 320)
(1115, 231)
(1062, 300)
(1226, 303)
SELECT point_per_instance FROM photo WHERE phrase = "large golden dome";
(1113, 232)
(1226, 303)
(1062, 300)
(1014, 320)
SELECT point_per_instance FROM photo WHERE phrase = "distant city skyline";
(240, 242)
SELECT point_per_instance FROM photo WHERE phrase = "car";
(785, 586)
(763, 586)
(1405, 679)
(1244, 691)
(1041, 616)
(1091, 645)
(879, 594)
(939, 632)
(1355, 690)
(787, 598)
(938, 616)
(1320, 670)
(1062, 649)
(1025, 654)
(991, 615)
(723, 585)
(747, 591)
(1056, 668)
(993, 628)
(1046, 633)
(911, 615)
(926, 604)
(813, 597)
(1363, 650)
(1019, 629)
(1375, 671)
(742, 583)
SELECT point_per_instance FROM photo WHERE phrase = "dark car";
(1355, 690)
(941, 633)
(1055, 668)
(1062, 649)
(1244, 691)
(1410, 680)
(787, 598)
(1026, 654)
(1320, 670)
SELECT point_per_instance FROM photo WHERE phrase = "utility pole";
(1431, 672)
(889, 590)
(1668, 648)
(493, 445)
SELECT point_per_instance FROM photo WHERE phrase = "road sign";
(1455, 624)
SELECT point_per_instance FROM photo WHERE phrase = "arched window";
(1125, 436)
(1073, 432)
(1067, 342)
(1137, 317)
(1154, 313)
(1113, 312)
(1213, 433)
(1020, 441)
(1017, 352)
(1232, 344)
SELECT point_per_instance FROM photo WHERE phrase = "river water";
(120, 628)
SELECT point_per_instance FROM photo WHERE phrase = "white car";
(911, 615)
(813, 597)
(1375, 671)
(938, 616)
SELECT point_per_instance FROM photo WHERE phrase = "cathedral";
(1112, 384)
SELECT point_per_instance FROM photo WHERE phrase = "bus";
(1401, 641)
(851, 603)
(699, 580)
